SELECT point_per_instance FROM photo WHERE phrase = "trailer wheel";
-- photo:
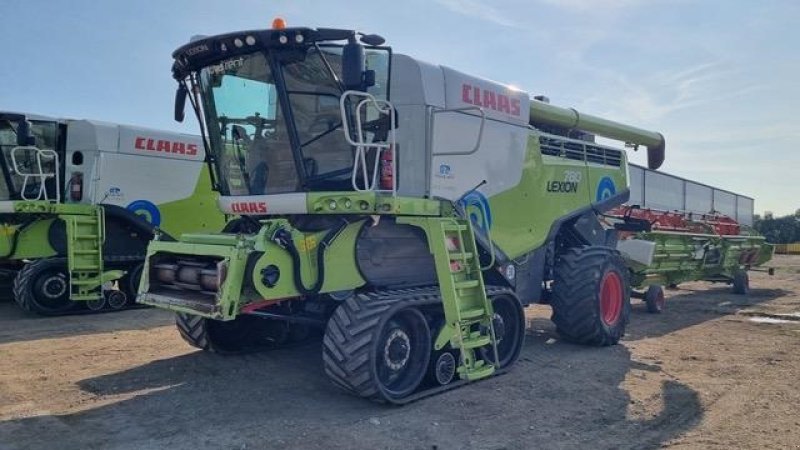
(42, 287)
(376, 351)
(591, 296)
(654, 299)
(741, 282)
(214, 335)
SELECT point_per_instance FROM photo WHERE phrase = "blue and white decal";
(146, 210)
(476, 206)
(605, 189)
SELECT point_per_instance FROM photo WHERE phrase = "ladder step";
(473, 313)
(450, 227)
(478, 373)
(85, 252)
(461, 256)
(476, 341)
(84, 297)
(468, 284)
(86, 268)
(86, 236)
(85, 220)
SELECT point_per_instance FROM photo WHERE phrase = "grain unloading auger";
(409, 209)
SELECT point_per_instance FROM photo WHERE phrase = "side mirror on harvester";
(180, 102)
(24, 137)
(353, 65)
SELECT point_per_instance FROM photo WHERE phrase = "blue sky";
(717, 78)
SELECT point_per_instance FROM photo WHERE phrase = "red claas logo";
(161, 145)
(489, 99)
(249, 207)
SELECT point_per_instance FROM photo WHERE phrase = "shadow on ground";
(689, 306)
(17, 325)
(558, 396)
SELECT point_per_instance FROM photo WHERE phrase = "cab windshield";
(274, 121)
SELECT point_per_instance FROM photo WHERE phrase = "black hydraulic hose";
(284, 239)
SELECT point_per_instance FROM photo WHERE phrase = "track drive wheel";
(217, 336)
(741, 282)
(377, 349)
(42, 287)
(591, 295)
(654, 299)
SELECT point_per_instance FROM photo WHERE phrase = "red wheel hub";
(611, 298)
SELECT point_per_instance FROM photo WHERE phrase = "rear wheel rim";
(611, 298)
(402, 353)
(51, 290)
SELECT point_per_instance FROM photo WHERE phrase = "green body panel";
(194, 214)
(523, 216)
(681, 257)
(370, 203)
(32, 242)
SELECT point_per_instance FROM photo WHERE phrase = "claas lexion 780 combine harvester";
(409, 209)
(81, 199)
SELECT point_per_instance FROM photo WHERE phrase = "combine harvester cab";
(80, 200)
(408, 209)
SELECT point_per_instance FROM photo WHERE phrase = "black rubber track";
(357, 323)
(576, 292)
(245, 334)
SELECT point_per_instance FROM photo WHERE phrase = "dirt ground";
(715, 370)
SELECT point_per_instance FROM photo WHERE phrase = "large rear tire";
(591, 296)
(42, 287)
(377, 349)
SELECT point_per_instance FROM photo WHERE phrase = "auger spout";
(570, 118)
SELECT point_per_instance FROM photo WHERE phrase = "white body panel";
(438, 146)
(123, 164)
(245, 205)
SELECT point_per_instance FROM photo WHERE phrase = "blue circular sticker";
(476, 206)
(605, 189)
(147, 210)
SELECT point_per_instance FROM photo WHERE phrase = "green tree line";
(779, 230)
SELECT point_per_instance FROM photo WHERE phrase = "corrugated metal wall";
(659, 190)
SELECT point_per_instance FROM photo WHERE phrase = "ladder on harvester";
(85, 254)
(467, 309)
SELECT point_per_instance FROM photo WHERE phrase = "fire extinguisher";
(387, 170)
(76, 187)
